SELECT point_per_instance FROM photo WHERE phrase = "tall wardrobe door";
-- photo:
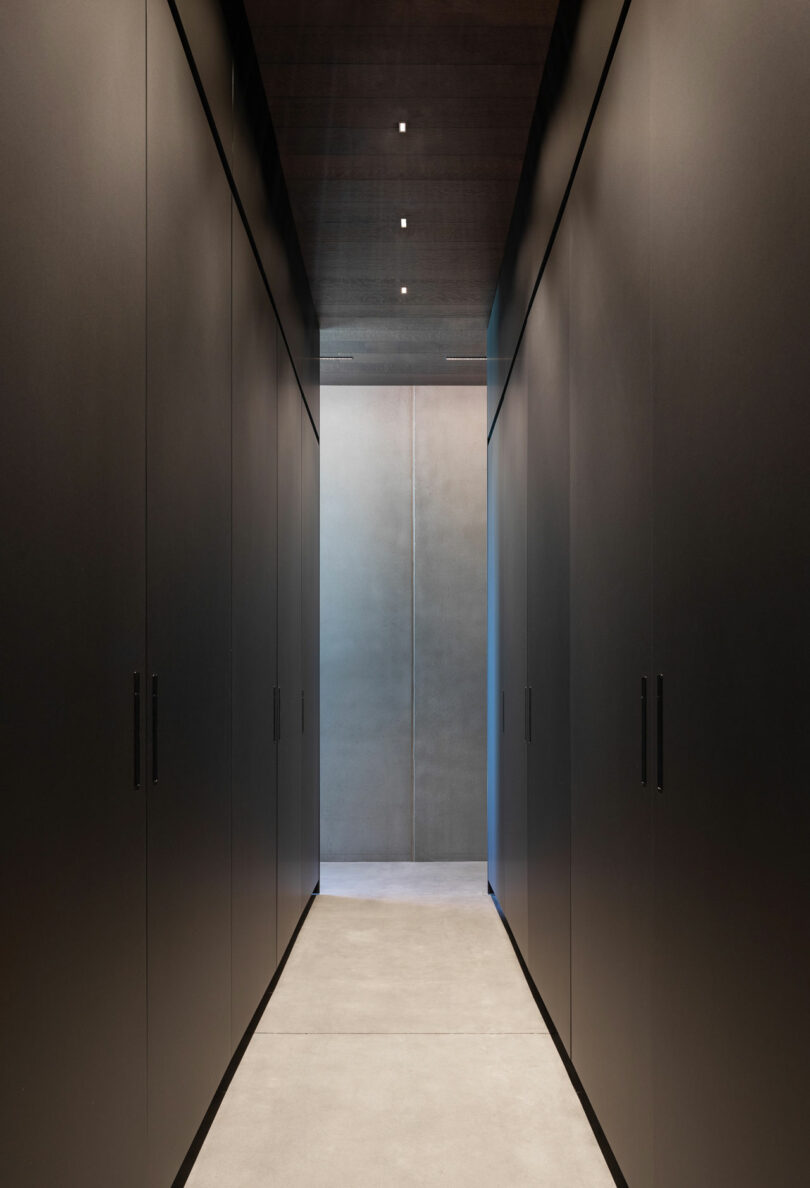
(512, 612)
(253, 793)
(502, 513)
(611, 611)
(731, 376)
(189, 615)
(548, 754)
(290, 680)
(310, 634)
(493, 665)
(72, 633)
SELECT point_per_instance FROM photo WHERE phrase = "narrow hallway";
(401, 1046)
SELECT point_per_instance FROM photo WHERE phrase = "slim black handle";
(660, 729)
(278, 715)
(302, 711)
(136, 729)
(644, 732)
(275, 713)
(154, 728)
(503, 711)
(527, 713)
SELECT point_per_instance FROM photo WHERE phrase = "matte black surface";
(80, 725)
(205, 27)
(611, 527)
(689, 438)
(494, 685)
(72, 561)
(730, 378)
(189, 614)
(253, 593)
(310, 658)
(218, 42)
(578, 48)
(290, 672)
(511, 512)
(263, 193)
(548, 954)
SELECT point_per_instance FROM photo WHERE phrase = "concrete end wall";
(403, 623)
(366, 623)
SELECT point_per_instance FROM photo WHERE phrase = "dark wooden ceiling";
(464, 76)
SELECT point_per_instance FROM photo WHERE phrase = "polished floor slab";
(401, 1047)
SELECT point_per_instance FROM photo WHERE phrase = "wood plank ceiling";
(463, 76)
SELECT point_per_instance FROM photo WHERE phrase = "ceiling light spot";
(403, 127)
(404, 290)
(403, 223)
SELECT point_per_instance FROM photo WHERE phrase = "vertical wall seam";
(413, 623)
(230, 591)
(569, 404)
(146, 642)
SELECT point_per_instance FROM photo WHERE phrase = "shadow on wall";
(403, 623)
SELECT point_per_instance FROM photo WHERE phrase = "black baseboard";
(222, 1088)
(590, 1112)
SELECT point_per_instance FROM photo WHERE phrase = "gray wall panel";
(366, 579)
(403, 623)
(450, 518)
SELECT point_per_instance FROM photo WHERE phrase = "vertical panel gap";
(146, 640)
(413, 623)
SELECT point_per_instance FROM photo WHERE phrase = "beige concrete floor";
(401, 1047)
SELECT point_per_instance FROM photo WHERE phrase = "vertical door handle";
(275, 713)
(527, 713)
(278, 714)
(660, 729)
(644, 732)
(136, 729)
(154, 728)
(503, 711)
(302, 711)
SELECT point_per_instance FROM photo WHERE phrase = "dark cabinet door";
(205, 26)
(494, 685)
(608, 217)
(290, 678)
(512, 621)
(72, 560)
(253, 593)
(731, 376)
(547, 559)
(310, 653)
(188, 599)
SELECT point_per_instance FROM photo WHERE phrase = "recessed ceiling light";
(403, 223)
(403, 127)
(466, 358)
(404, 290)
(336, 358)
